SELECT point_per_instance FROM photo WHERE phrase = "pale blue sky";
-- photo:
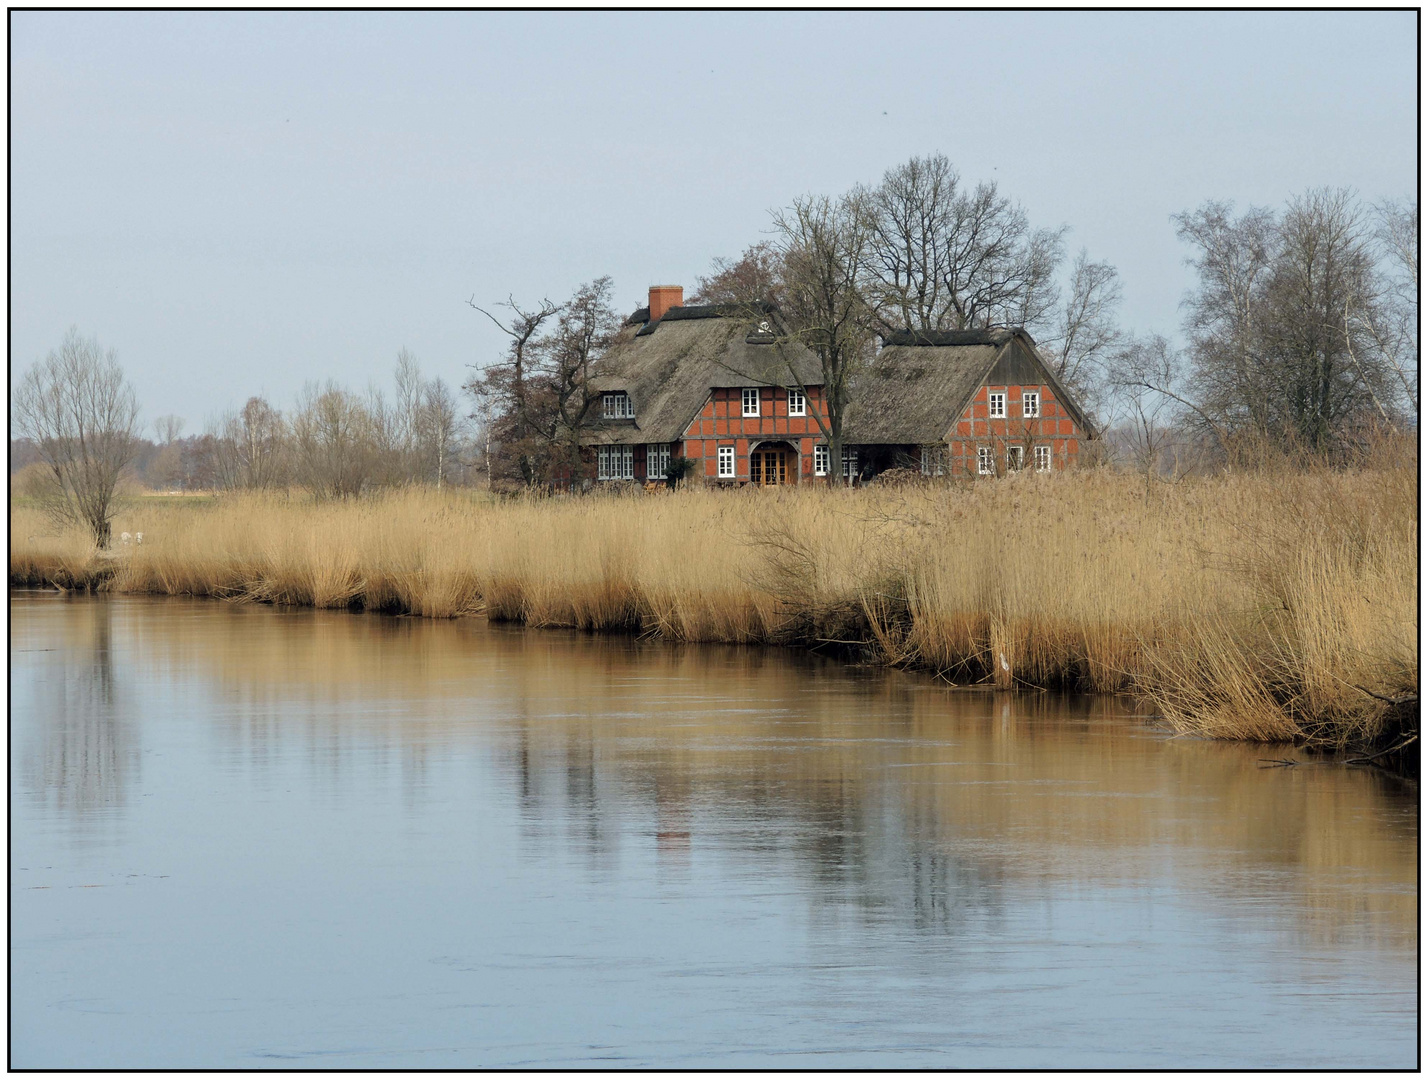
(241, 202)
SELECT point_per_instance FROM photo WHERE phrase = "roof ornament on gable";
(763, 334)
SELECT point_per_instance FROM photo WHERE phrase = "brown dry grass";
(1268, 605)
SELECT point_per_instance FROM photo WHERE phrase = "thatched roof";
(668, 368)
(922, 381)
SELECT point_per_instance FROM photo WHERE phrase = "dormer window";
(618, 406)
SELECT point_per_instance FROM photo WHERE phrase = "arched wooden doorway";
(772, 464)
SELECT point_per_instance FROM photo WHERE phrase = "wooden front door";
(768, 467)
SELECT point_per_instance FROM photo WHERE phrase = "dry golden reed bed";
(1270, 606)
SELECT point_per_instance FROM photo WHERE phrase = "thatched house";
(722, 387)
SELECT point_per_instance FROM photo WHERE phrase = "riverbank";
(1276, 606)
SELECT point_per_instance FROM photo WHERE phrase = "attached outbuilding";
(965, 402)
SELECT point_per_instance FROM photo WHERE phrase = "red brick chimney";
(664, 297)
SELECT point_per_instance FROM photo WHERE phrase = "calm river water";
(245, 837)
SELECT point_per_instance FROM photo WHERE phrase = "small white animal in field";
(138, 538)
(123, 538)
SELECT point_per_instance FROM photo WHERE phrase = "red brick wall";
(722, 423)
(1054, 428)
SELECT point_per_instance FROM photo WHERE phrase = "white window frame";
(820, 459)
(617, 405)
(850, 462)
(1016, 458)
(658, 455)
(797, 403)
(986, 461)
(1043, 459)
(1031, 403)
(996, 404)
(752, 401)
(932, 459)
(615, 463)
(726, 462)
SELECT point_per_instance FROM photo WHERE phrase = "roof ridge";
(992, 335)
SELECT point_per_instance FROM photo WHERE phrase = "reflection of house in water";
(736, 767)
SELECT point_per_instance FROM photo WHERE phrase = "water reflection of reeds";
(917, 802)
(83, 757)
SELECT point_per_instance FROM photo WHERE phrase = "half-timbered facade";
(966, 402)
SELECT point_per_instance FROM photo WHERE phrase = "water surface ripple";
(244, 837)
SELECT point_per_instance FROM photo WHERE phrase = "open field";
(1278, 605)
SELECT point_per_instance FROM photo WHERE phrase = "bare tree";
(168, 428)
(516, 388)
(439, 429)
(407, 418)
(84, 420)
(1232, 260)
(262, 436)
(824, 246)
(1086, 333)
(755, 277)
(942, 257)
(250, 448)
(1394, 334)
(1145, 379)
(1283, 324)
(333, 438)
(585, 328)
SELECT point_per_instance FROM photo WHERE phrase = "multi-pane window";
(795, 403)
(656, 461)
(986, 461)
(1016, 455)
(726, 462)
(618, 406)
(932, 459)
(615, 462)
(1043, 459)
(1030, 403)
(996, 404)
(850, 462)
(820, 459)
(751, 401)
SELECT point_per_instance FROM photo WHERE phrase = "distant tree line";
(335, 442)
(77, 435)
